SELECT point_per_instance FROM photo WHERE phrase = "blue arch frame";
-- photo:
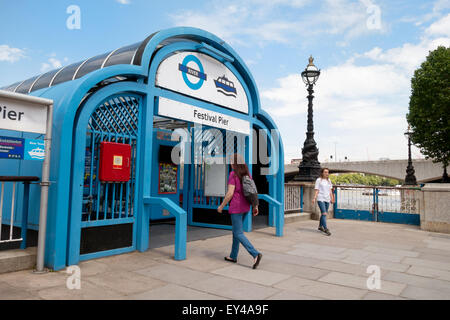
(68, 98)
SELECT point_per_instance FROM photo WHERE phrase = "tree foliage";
(429, 106)
(362, 179)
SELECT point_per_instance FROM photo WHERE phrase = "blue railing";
(180, 222)
(277, 218)
(380, 204)
(9, 220)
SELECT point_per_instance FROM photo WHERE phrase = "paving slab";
(292, 295)
(174, 292)
(381, 296)
(200, 263)
(8, 292)
(320, 248)
(293, 269)
(412, 292)
(320, 289)
(88, 291)
(259, 276)
(429, 272)
(359, 282)
(234, 289)
(124, 282)
(435, 257)
(392, 252)
(383, 264)
(129, 262)
(307, 253)
(418, 281)
(173, 274)
(288, 258)
(90, 268)
(383, 257)
(427, 263)
(339, 266)
(30, 281)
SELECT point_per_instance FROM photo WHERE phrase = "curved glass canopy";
(131, 54)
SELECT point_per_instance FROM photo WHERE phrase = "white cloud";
(124, 1)
(52, 63)
(258, 21)
(438, 7)
(440, 28)
(10, 54)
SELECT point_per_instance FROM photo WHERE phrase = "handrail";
(350, 186)
(180, 223)
(279, 213)
(378, 187)
(18, 178)
(269, 199)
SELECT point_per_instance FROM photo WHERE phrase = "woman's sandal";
(230, 260)
(258, 259)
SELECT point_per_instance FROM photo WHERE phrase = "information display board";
(167, 178)
(215, 179)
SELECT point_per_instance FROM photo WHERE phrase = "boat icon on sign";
(225, 86)
(37, 153)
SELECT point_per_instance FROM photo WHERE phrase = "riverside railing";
(293, 197)
(7, 218)
(376, 203)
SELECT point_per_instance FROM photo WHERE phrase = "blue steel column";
(143, 221)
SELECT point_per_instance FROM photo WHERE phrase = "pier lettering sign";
(22, 116)
(178, 110)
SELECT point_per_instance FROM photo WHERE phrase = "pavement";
(303, 264)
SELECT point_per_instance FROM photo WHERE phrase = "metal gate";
(202, 207)
(108, 210)
(380, 204)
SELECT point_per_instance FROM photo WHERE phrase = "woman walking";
(239, 207)
(324, 195)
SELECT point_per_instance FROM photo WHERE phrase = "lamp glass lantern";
(311, 73)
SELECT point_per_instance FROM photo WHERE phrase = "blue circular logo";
(196, 73)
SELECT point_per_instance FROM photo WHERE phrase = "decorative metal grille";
(115, 120)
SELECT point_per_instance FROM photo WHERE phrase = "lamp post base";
(308, 172)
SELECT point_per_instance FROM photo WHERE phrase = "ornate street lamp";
(309, 168)
(410, 179)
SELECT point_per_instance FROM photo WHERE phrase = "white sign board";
(215, 179)
(201, 76)
(22, 116)
(179, 110)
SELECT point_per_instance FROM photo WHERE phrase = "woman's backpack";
(250, 191)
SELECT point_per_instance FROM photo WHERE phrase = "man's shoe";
(327, 232)
(321, 229)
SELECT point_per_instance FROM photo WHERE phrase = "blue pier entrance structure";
(169, 94)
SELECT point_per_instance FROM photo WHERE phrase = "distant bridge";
(426, 170)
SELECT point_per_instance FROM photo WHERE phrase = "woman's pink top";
(238, 203)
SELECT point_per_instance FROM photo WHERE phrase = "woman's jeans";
(237, 220)
(323, 210)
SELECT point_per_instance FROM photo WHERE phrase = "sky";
(367, 51)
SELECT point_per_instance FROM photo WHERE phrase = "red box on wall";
(115, 159)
